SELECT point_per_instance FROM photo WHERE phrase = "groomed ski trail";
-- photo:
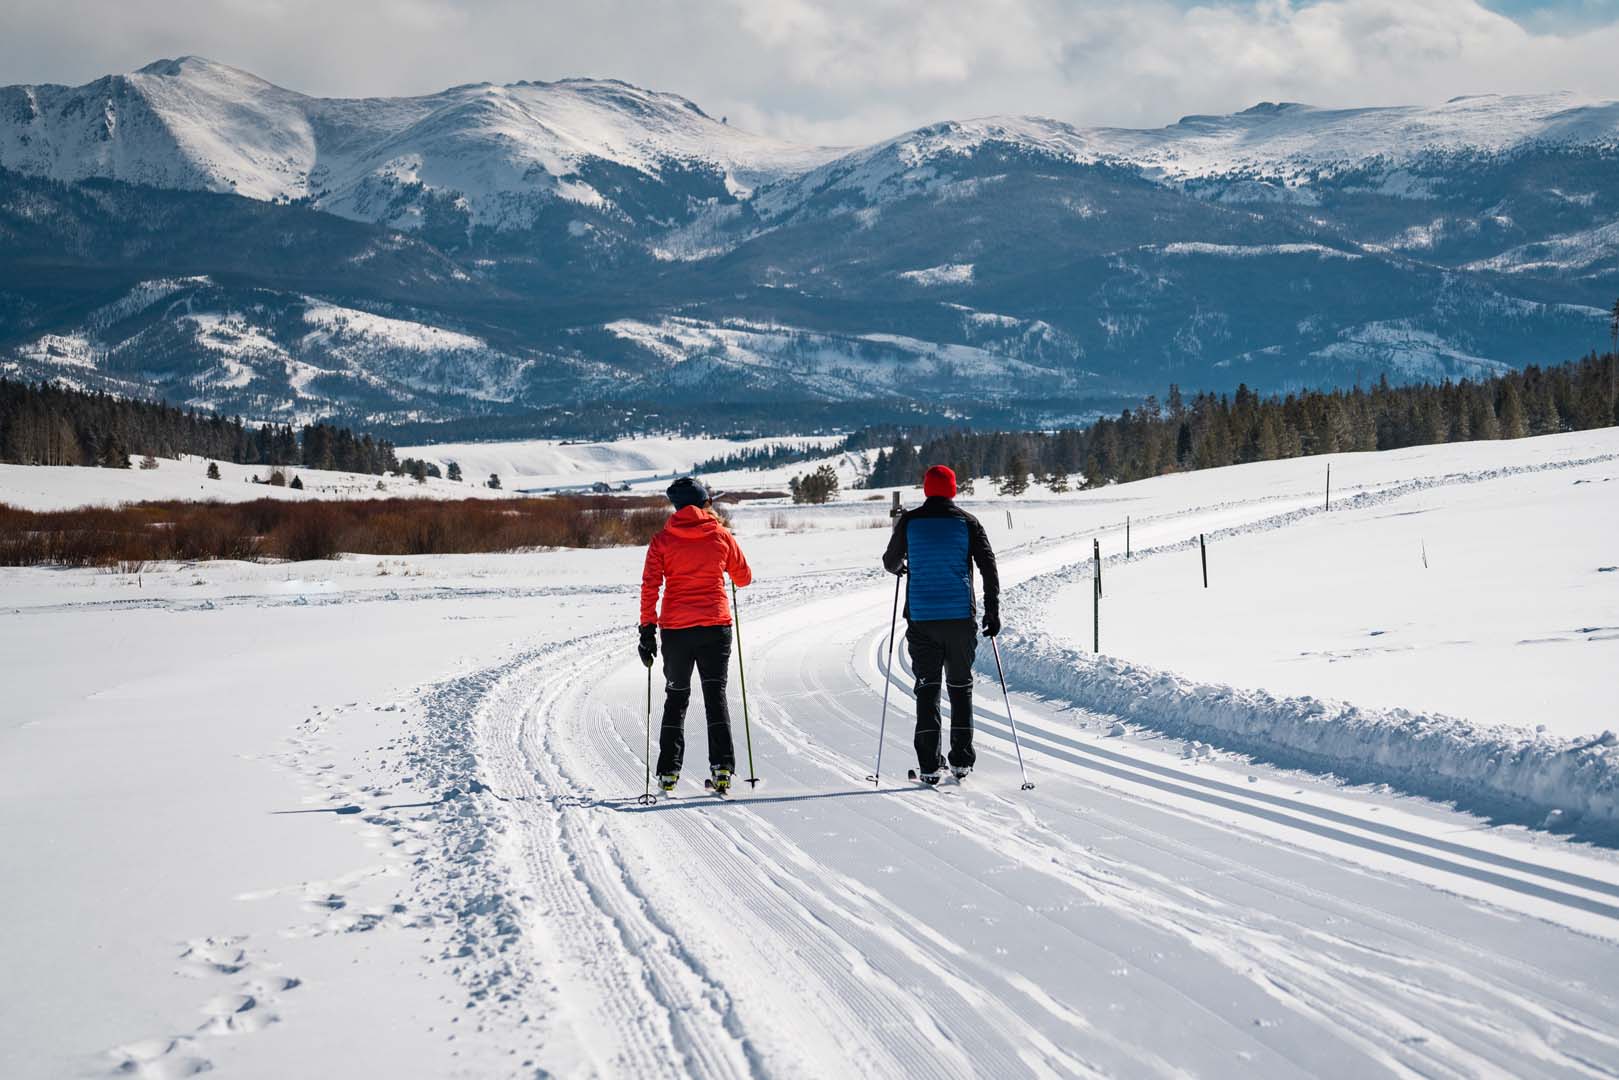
(1130, 916)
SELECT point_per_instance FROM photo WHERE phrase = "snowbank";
(1524, 774)
(1508, 771)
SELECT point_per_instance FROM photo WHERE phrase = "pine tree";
(494, 481)
(1510, 417)
(818, 487)
(1183, 437)
(297, 483)
(1016, 479)
(213, 470)
(455, 471)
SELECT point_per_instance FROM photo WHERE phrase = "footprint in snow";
(159, 1059)
(213, 956)
(236, 1014)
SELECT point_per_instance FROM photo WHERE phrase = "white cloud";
(845, 71)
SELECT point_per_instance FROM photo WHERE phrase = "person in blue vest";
(938, 544)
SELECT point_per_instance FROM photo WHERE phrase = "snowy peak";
(195, 124)
(503, 155)
(1288, 138)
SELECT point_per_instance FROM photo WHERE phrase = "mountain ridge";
(587, 241)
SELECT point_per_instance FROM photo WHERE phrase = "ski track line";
(1039, 861)
(658, 1013)
(871, 913)
(1003, 734)
(1230, 796)
(792, 908)
(1200, 904)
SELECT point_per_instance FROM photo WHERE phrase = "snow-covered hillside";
(380, 816)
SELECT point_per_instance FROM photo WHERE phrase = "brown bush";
(320, 529)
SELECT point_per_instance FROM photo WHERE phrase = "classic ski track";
(792, 910)
(575, 911)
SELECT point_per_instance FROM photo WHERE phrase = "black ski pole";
(1027, 783)
(742, 674)
(888, 680)
(648, 797)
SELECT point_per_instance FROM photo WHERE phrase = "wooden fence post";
(1203, 550)
(1329, 485)
(1127, 536)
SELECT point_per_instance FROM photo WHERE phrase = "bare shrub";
(319, 529)
(778, 519)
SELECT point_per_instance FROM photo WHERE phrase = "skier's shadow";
(632, 805)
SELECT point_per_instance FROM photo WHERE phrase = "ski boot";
(931, 779)
(719, 780)
(668, 780)
(960, 772)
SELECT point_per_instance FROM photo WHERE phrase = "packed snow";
(379, 816)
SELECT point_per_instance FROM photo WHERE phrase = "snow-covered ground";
(1400, 604)
(36, 488)
(647, 464)
(468, 887)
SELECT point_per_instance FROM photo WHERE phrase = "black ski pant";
(943, 647)
(709, 649)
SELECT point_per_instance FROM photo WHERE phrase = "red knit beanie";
(940, 480)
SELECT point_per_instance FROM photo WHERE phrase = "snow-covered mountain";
(601, 241)
(497, 151)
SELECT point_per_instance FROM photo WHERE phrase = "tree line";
(1210, 430)
(52, 424)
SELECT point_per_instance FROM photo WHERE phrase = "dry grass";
(276, 529)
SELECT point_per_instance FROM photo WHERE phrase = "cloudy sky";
(846, 71)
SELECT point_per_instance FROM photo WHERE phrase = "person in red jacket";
(688, 561)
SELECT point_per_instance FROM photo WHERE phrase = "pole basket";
(647, 799)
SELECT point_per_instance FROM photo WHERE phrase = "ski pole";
(888, 680)
(648, 797)
(742, 674)
(1027, 783)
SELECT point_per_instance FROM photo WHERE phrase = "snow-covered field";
(35, 488)
(534, 465)
(465, 885)
(646, 464)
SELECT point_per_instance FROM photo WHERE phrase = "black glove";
(992, 623)
(649, 643)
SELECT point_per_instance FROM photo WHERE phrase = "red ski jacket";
(688, 560)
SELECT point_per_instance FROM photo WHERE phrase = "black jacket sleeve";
(895, 556)
(984, 556)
